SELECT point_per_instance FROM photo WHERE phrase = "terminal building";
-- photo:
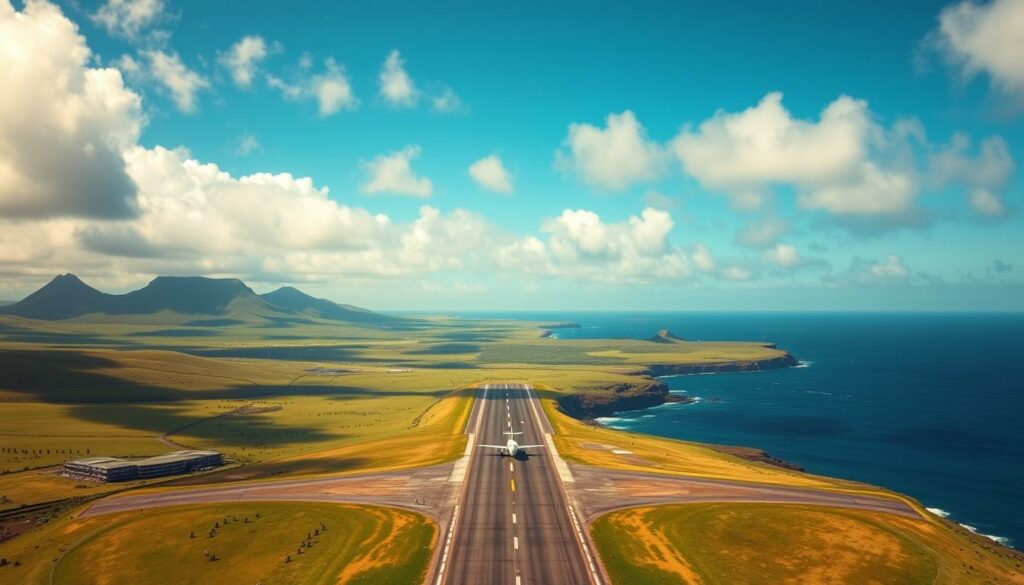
(114, 469)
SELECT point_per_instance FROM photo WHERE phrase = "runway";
(514, 525)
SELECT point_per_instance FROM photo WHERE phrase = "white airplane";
(511, 448)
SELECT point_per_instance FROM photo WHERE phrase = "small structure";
(114, 469)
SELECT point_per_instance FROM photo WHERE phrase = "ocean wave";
(1000, 539)
(804, 364)
(818, 392)
(938, 512)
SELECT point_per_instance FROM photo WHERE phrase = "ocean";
(931, 405)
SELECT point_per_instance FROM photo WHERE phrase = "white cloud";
(745, 154)
(613, 157)
(783, 256)
(986, 203)
(869, 190)
(703, 259)
(446, 101)
(984, 175)
(247, 144)
(393, 173)
(127, 18)
(763, 232)
(581, 246)
(244, 58)
(396, 86)
(63, 124)
(182, 82)
(891, 270)
(490, 173)
(986, 38)
(331, 89)
(737, 273)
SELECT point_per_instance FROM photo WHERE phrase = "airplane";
(512, 448)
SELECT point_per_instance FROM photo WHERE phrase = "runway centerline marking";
(513, 484)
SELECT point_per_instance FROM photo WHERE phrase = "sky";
(521, 156)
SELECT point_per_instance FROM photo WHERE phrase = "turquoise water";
(931, 405)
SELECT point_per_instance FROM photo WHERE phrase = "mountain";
(293, 300)
(63, 297)
(181, 298)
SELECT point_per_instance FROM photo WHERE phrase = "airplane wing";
(530, 446)
(495, 446)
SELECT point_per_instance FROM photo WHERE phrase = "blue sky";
(905, 197)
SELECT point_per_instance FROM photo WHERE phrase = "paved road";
(603, 490)
(514, 525)
(423, 489)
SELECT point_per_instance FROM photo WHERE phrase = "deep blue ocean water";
(931, 405)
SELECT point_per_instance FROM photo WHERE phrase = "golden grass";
(362, 544)
(714, 544)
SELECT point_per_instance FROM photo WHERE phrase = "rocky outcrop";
(607, 400)
(783, 361)
(752, 454)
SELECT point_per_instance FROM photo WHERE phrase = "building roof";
(114, 462)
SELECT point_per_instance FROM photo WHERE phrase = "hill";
(292, 300)
(67, 297)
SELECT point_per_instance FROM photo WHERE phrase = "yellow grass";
(362, 544)
(727, 544)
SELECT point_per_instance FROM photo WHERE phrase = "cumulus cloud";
(613, 157)
(985, 38)
(181, 82)
(984, 174)
(891, 270)
(393, 173)
(396, 86)
(63, 124)
(331, 89)
(829, 161)
(581, 246)
(490, 173)
(243, 59)
(127, 18)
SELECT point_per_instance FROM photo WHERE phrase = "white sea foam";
(818, 392)
(1000, 539)
(647, 416)
(804, 364)
(938, 512)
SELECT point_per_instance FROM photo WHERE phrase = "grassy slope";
(361, 545)
(758, 543)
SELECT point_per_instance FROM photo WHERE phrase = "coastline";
(650, 392)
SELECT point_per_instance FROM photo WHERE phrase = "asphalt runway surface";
(514, 526)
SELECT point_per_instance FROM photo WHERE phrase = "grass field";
(252, 543)
(735, 544)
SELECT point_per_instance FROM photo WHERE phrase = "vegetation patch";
(269, 543)
(735, 544)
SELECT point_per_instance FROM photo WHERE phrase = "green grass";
(736, 544)
(362, 544)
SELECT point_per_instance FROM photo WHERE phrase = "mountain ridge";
(68, 297)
